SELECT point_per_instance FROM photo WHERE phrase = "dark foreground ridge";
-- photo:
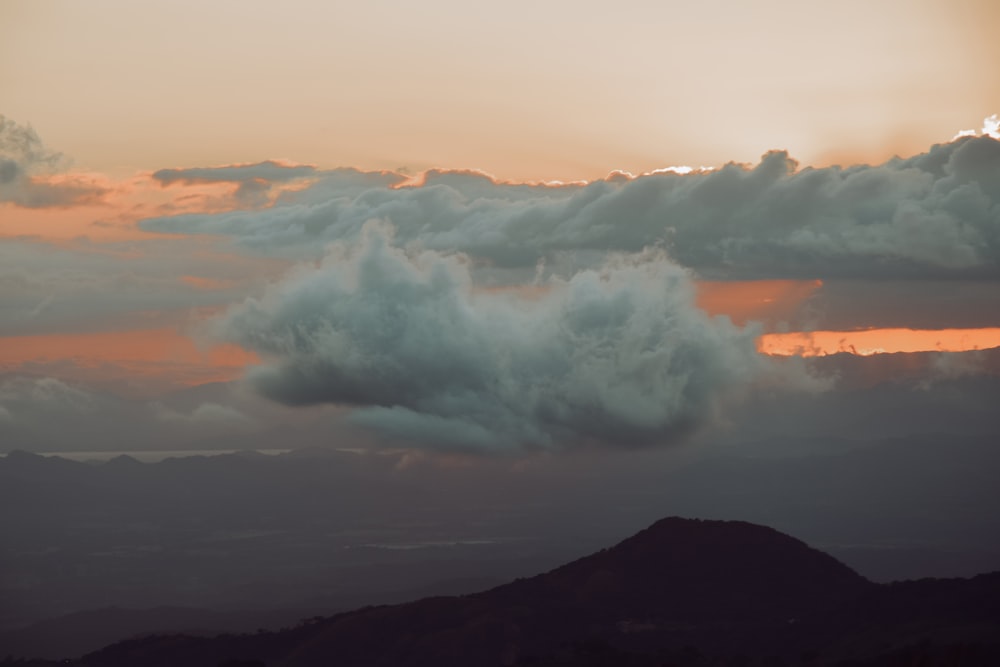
(681, 592)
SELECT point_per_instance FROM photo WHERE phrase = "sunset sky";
(468, 226)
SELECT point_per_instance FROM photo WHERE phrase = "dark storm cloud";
(22, 157)
(616, 355)
(933, 215)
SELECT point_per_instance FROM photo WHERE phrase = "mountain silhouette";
(674, 593)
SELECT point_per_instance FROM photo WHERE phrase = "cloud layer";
(616, 355)
(934, 215)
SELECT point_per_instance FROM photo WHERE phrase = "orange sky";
(579, 89)
(766, 301)
(878, 341)
(156, 357)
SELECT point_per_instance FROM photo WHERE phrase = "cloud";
(49, 393)
(22, 156)
(619, 355)
(47, 413)
(254, 181)
(40, 413)
(46, 410)
(211, 415)
(269, 170)
(934, 215)
(946, 366)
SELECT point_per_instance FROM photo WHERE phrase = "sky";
(507, 228)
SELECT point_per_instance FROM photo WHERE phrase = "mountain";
(680, 592)
(86, 631)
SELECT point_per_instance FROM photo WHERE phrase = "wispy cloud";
(27, 175)
(254, 181)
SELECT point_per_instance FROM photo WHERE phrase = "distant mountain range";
(681, 592)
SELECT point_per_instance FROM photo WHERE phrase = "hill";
(680, 592)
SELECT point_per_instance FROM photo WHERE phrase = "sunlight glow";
(877, 341)
(991, 128)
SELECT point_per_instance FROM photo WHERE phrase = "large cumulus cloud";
(618, 355)
(934, 215)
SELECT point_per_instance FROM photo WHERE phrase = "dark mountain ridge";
(682, 588)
